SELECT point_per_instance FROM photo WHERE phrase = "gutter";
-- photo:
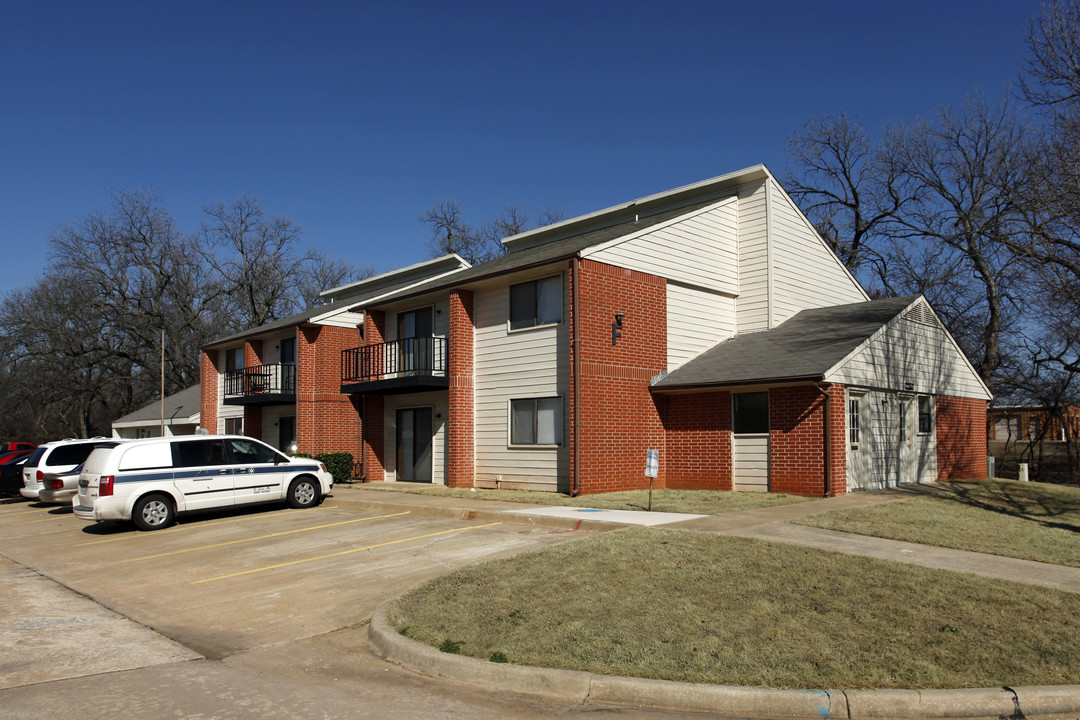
(575, 276)
(672, 388)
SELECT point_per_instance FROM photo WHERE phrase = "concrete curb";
(584, 687)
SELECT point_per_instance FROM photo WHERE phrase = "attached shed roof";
(180, 407)
(804, 347)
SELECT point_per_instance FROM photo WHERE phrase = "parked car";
(11, 480)
(54, 457)
(150, 481)
(16, 446)
(60, 487)
(8, 456)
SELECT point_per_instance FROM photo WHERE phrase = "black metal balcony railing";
(410, 357)
(259, 380)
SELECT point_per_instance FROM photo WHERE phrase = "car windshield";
(32, 461)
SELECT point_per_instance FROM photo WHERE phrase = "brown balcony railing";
(410, 357)
(259, 380)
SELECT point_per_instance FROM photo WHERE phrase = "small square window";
(536, 303)
(751, 412)
(536, 421)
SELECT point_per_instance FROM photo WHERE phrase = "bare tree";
(847, 189)
(452, 233)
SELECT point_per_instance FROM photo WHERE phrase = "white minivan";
(150, 481)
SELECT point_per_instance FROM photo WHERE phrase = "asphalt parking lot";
(216, 584)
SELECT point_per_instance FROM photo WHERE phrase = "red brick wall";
(374, 439)
(326, 419)
(619, 419)
(208, 383)
(961, 438)
(797, 441)
(253, 353)
(460, 438)
(253, 421)
(698, 441)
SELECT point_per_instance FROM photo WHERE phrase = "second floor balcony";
(261, 385)
(409, 365)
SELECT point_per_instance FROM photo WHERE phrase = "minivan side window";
(196, 453)
(71, 454)
(246, 451)
(146, 457)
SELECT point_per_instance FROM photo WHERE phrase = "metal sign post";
(652, 469)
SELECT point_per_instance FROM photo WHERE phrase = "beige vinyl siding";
(696, 320)
(700, 249)
(753, 304)
(509, 365)
(805, 272)
(750, 462)
(911, 352)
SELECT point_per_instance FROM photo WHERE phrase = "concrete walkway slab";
(623, 517)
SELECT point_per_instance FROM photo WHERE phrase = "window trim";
(536, 282)
(561, 429)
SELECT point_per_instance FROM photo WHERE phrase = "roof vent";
(921, 314)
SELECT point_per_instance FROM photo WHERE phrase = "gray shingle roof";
(807, 345)
(550, 251)
(181, 405)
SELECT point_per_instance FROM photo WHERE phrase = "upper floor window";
(751, 412)
(538, 302)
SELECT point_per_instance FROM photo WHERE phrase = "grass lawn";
(1028, 520)
(699, 502)
(656, 603)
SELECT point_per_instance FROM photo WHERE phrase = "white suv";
(54, 457)
(150, 481)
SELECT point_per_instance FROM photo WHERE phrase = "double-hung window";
(534, 303)
(536, 421)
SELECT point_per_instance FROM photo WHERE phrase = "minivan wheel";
(153, 512)
(303, 493)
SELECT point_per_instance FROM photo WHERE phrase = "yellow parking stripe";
(158, 533)
(263, 537)
(343, 552)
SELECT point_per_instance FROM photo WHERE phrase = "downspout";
(575, 276)
(363, 429)
(828, 440)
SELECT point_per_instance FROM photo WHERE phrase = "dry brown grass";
(1027, 520)
(699, 502)
(685, 606)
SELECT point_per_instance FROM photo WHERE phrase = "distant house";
(708, 326)
(1024, 423)
(181, 412)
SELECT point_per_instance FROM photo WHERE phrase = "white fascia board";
(458, 262)
(755, 172)
(593, 249)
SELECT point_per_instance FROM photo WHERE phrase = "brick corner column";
(208, 388)
(837, 430)
(461, 467)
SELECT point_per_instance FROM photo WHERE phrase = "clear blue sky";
(352, 118)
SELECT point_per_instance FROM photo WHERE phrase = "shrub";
(340, 465)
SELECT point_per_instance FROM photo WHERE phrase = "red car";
(14, 450)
